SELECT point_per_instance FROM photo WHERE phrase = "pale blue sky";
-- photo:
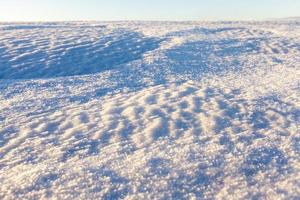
(65, 10)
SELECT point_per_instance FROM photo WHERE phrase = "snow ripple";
(30, 52)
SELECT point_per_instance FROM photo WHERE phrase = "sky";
(165, 10)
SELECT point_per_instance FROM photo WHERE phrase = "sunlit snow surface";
(136, 110)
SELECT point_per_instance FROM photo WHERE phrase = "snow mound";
(35, 53)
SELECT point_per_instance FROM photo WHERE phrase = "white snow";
(150, 110)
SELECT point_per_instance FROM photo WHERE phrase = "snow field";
(135, 110)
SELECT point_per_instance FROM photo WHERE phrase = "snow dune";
(134, 110)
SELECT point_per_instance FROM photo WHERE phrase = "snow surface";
(150, 110)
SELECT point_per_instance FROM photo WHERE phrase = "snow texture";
(150, 110)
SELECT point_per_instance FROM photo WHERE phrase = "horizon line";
(139, 20)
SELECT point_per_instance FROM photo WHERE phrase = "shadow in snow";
(203, 57)
(72, 59)
(264, 160)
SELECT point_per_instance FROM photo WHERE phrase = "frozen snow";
(150, 110)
